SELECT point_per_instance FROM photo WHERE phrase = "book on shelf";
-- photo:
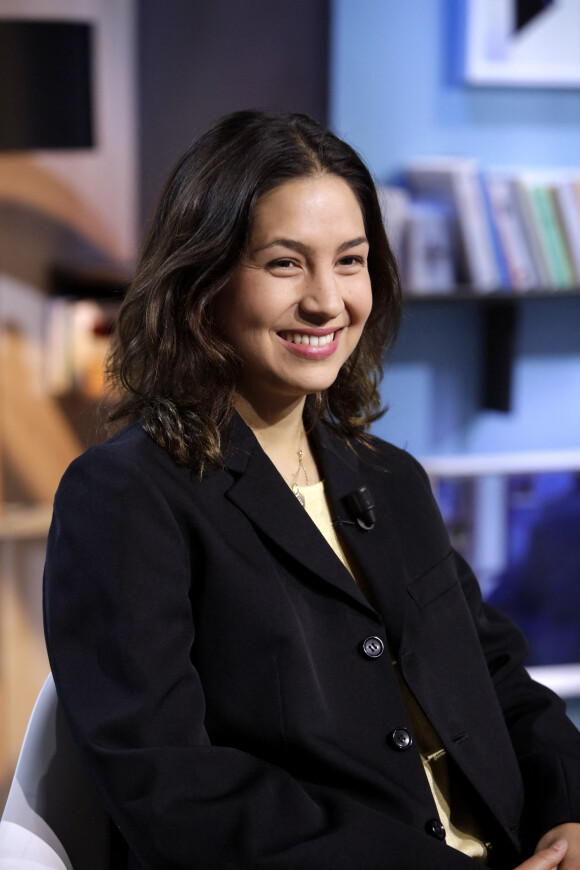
(395, 201)
(427, 254)
(512, 228)
(533, 230)
(419, 232)
(538, 191)
(566, 193)
(456, 181)
(499, 250)
(513, 241)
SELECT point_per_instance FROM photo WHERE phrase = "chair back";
(53, 817)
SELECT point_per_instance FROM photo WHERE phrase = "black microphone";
(361, 505)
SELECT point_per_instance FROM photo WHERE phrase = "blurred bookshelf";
(54, 380)
(53, 341)
(455, 223)
(491, 237)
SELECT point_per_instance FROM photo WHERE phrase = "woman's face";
(296, 306)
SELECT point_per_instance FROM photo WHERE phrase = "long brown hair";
(168, 362)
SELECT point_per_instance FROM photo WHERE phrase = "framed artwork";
(533, 43)
(520, 532)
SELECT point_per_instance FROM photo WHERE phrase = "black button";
(373, 647)
(401, 739)
(436, 829)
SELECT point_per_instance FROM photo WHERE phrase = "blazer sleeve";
(122, 558)
(546, 743)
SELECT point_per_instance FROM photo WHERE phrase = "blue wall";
(396, 92)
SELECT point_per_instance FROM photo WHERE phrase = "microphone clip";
(361, 506)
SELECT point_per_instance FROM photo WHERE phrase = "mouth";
(307, 339)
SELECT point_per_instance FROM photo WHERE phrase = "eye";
(283, 265)
(351, 262)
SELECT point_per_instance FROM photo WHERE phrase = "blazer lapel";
(259, 491)
(376, 552)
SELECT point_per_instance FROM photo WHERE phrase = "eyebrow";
(306, 250)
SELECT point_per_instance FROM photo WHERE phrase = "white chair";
(53, 818)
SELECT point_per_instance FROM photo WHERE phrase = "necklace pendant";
(294, 484)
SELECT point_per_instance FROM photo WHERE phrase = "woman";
(267, 651)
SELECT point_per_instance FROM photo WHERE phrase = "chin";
(320, 387)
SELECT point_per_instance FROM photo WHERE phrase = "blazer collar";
(260, 492)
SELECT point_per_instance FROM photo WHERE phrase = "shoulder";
(401, 476)
(128, 464)
(376, 456)
(390, 456)
(131, 447)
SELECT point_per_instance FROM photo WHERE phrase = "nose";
(321, 300)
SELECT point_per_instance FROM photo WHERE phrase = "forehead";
(302, 202)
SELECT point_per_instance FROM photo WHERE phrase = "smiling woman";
(262, 680)
(178, 373)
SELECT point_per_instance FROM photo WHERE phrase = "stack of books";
(491, 230)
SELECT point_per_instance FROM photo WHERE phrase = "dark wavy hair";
(168, 364)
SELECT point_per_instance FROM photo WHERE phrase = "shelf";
(503, 297)
(499, 320)
(562, 679)
(520, 462)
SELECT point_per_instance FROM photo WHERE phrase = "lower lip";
(311, 351)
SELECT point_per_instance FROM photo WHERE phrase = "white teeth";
(312, 340)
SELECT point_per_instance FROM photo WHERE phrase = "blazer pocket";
(436, 582)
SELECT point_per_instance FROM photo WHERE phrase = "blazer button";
(436, 829)
(400, 739)
(373, 647)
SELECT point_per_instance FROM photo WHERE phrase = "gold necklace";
(294, 484)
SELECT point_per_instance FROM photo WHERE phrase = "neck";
(280, 432)
(280, 426)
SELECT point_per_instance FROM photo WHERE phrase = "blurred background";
(470, 124)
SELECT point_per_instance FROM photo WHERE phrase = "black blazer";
(208, 650)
